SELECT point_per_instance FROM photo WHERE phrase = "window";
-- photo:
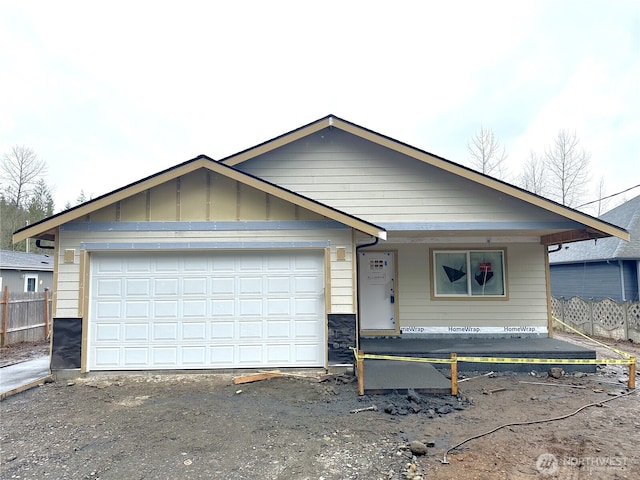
(30, 283)
(468, 273)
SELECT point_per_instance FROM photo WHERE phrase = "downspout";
(44, 247)
(623, 295)
(358, 248)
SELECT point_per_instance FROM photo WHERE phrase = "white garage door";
(206, 310)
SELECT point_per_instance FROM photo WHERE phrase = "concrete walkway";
(21, 376)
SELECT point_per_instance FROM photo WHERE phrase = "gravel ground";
(202, 426)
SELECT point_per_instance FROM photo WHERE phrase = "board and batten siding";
(527, 295)
(381, 185)
(341, 293)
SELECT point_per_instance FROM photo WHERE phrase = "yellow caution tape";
(565, 361)
(619, 352)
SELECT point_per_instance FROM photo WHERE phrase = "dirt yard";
(203, 426)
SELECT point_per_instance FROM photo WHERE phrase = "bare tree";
(19, 171)
(486, 154)
(532, 177)
(602, 203)
(567, 168)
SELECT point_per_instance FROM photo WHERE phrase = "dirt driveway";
(203, 426)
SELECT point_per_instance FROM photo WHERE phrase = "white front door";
(377, 291)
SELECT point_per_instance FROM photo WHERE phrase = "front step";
(385, 376)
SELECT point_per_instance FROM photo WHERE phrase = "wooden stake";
(454, 374)
(360, 369)
(632, 373)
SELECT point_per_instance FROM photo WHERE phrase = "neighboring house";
(604, 268)
(25, 272)
(285, 254)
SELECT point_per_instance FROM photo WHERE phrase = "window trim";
(469, 295)
(28, 277)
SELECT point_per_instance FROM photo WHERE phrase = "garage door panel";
(278, 306)
(165, 331)
(193, 355)
(223, 330)
(306, 354)
(166, 286)
(250, 285)
(107, 358)
(306, 329)
(110, 287)
(279, 329)
(136, 357)
(138, 287)
(206, 310)
(194, 331)
(223, 285)
(137, 265)
(250, 329)
(250, 355)
(137, 309)
(222, 355)
(223, 308)
(194, 286)
(278, 353)
(194, 308)
(307, 284)
(108, 332)
(280, 284)
(106, 310)
(250, 306)
(136, 332)
(164, 356)
(165, 309)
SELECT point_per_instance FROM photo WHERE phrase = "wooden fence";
(604, 318)
(26, 316)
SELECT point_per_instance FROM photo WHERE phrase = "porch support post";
(454, 374)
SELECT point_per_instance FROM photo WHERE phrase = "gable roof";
(592, 227)
(45, 229)
(10, 260)
(626, 215)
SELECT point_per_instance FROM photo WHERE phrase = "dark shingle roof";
(627, 216)
(10, 260)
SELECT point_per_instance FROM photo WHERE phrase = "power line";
(608, 196)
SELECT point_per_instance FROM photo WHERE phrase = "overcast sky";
(110, 92)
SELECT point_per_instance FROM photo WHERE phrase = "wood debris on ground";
(265, 375)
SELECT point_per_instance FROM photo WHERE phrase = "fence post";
(46, 313)
(591, 316)
(5, 314)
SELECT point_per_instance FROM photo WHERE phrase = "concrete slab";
(385, 376)
(541, 347)
(15, 376)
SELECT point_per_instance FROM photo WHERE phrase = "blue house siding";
(630, 280)
(595, 280)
